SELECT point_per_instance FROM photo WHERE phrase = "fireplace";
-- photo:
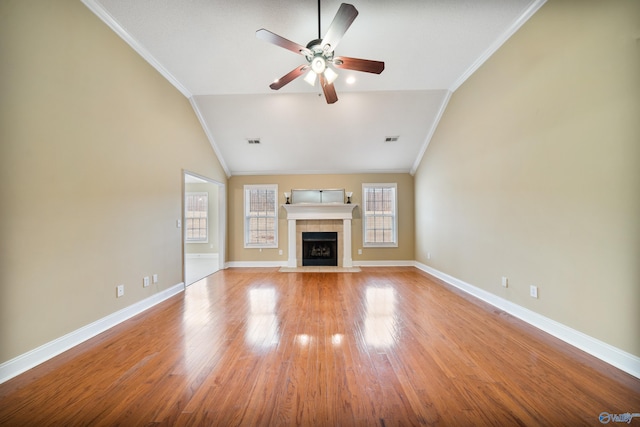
(311, 217)
(320, 248)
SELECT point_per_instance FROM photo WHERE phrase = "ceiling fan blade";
(366, 65)
(341, 23)
(289, 77)
(328, 89)
(273, 38)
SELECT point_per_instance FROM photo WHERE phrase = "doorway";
(204, 225)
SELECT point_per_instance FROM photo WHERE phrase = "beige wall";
(534, 174)
(93, 143)
(350, 182)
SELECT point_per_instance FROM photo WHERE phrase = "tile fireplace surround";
(319, 217)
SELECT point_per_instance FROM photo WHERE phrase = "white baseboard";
(612, 355)
(26, 361)
(603, 351)
(392, 263)
(255, 264)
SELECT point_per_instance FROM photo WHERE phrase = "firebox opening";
(320, 248)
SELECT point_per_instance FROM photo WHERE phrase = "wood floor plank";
(257, 347)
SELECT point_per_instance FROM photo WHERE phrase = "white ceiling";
(208, 50)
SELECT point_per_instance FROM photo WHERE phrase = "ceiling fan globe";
(318, 64)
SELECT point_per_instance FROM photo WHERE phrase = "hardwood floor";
(386, 346)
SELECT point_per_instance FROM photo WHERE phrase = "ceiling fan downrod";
(319, 36)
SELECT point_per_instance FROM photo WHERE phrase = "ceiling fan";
(319, 54)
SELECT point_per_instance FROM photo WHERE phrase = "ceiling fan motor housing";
(319, 57)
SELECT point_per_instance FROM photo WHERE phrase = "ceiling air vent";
(391, 138)
(253, 140)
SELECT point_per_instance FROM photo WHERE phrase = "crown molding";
(515, 26)
(432, 130)
(319, 172)
(95, 7)
(207, 131)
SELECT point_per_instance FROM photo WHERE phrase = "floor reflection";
(336, 339)
(380, 319)
(202, 324)
(262, 322)
(303, 339)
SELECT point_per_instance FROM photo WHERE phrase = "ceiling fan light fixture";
(310, 77)
(318, 64)
(330, 75)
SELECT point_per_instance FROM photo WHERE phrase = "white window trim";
(393, 244)
(205, 240)
(273, 187)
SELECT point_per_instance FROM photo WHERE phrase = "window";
(379, 219)
(260, 216)
(196, 216)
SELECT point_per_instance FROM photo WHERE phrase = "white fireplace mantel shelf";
(319, 211)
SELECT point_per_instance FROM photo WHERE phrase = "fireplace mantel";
(320, 211)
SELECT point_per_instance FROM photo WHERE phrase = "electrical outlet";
(505, 282)
(428, 255)
(280, 252)
(359, 251)
(533, 291)
(119, 291)
(145, 281)
(155, 278)
(178, 223)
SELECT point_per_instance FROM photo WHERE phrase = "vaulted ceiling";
(208, 50)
